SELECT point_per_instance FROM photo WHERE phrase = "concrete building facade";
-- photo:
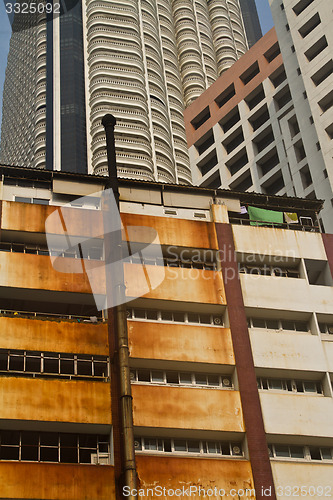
(144, 62)
(229, 354)
(254, 129)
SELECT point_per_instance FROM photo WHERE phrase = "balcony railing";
(306, 226)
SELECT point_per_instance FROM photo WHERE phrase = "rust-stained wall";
(36, 271)
(187, 408)
(56, 336)
(56, 481)
(179, 284)
(31, 218)
(173, 473)
(178, 232)
(55, 400)
(201, 344)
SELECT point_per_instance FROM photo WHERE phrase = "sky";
(264, 12)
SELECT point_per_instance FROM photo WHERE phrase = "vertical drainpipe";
(117, 324)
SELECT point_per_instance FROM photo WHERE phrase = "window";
(272, 53)
(326, 102)
(187, 446)
(306, 177)
(290, 385)
(176, 317)
(229, 120)
(225, 96)
(326, 328)
(205, 142)
(301, 5)
(256, 96)
(267, 270)
(323, 73)
(54, 447)
(250, 73)
(238, 161)
(316, 48)
(277, 325)
(207, 163)
(44, 364)
(300, 452)
(278, 76)
(309, 26)
(201, 118)
(181, 378)
(233, 141)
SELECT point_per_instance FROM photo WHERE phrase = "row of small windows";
(54, 447)
(305, 452)
(40, 364)
(181, 378)
(173, 262)
(266, 270)
(175, 316)
(291, 385)
(188, 446)
(275, 324)
(92, 253)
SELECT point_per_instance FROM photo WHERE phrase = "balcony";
(63, 482)
(178, 232)
(290, 351)
(285, 294)
(31, 218)
(53, 336)
(269, 241)
(187, 408)
(179, 472)
(179, 284)
(28, 271)
(294, 415)
(163, 341)
(55, 401)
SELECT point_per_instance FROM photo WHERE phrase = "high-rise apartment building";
(142, 61)
(257, 128)
(230, 355)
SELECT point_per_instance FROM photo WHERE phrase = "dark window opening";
(225, 96)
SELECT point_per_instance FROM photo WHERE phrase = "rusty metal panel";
(201, 344)
(36, 272)
(54, 335)
(31, 218)
(57, 481)
(187, 408)
(178, 232)
(55, 400)
(179, 284)
(174, 472)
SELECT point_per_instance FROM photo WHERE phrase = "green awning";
(260, 216)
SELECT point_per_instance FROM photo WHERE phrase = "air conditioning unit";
(137, 445)
(217, 321)
(100, 459)
(132, 375)
(236, 450)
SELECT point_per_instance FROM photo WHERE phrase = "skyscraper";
(251, 21)
(144, 62)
